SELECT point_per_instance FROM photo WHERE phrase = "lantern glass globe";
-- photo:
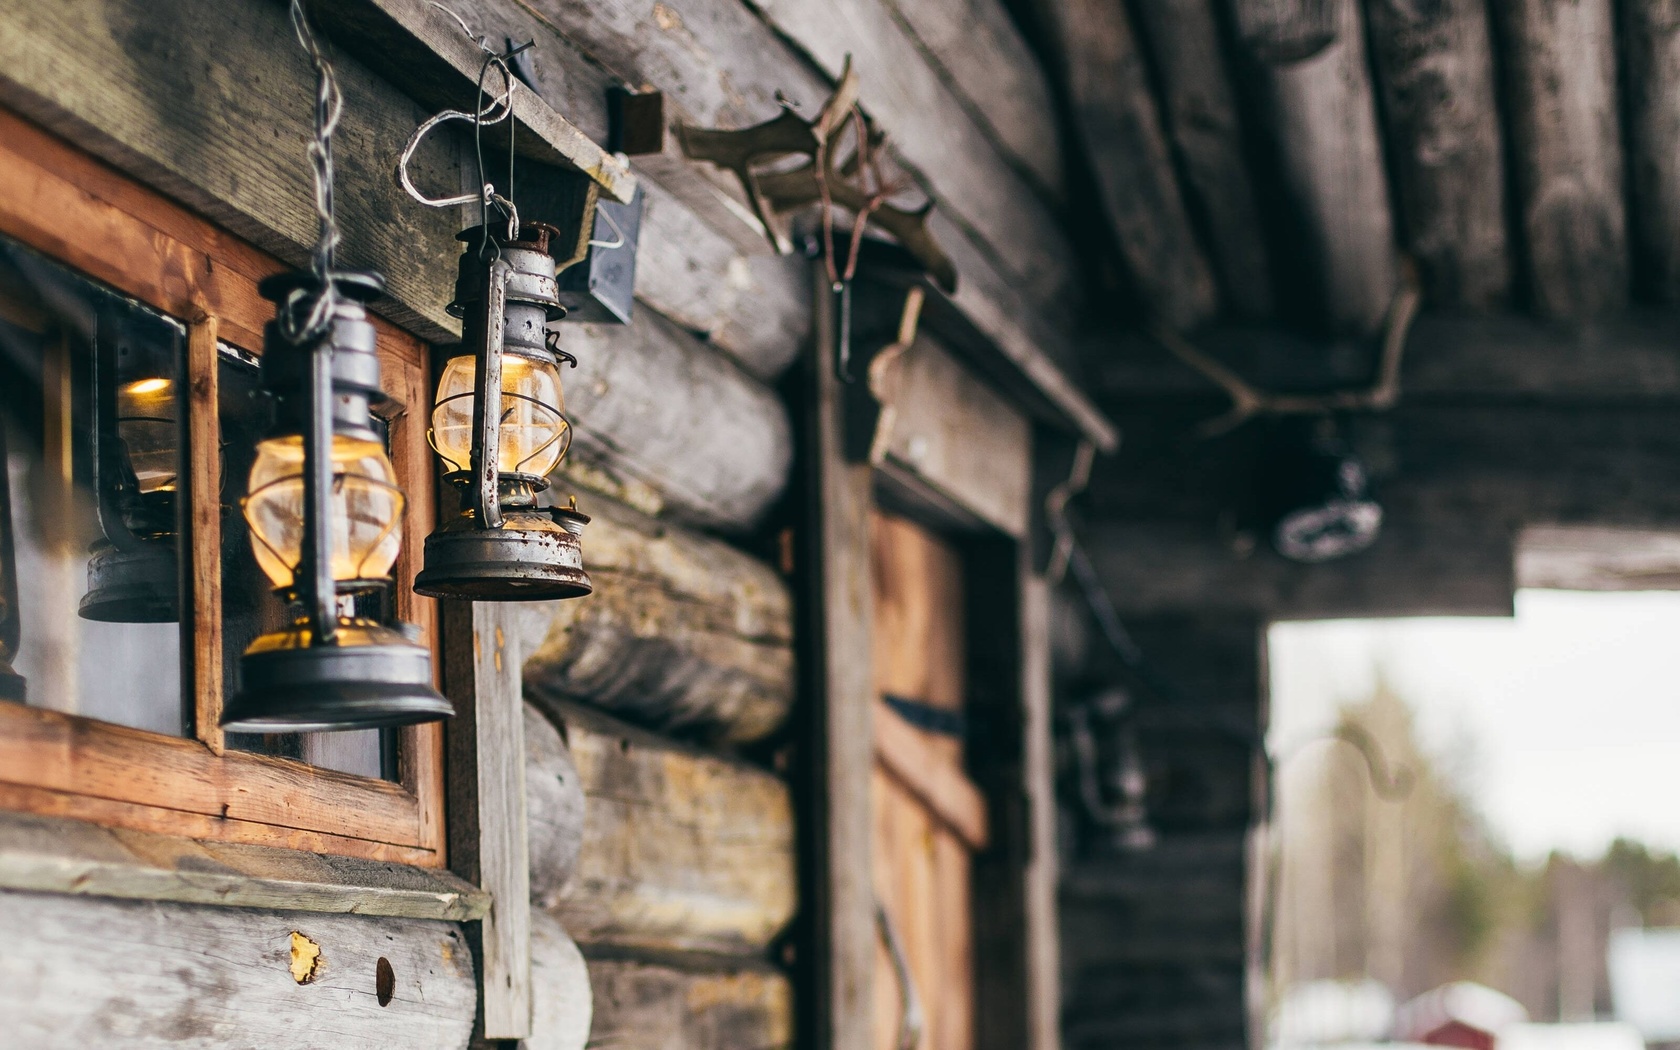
(149, 429)
(361, 519)
(533, 427)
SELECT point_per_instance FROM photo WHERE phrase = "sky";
(1565, 721)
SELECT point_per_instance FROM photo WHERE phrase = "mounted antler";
(856, 184)
(1248, 402)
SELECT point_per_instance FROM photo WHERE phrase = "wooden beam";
(1323, 117)
(975, 47)
(1199, 105)
(1041, 943)
(1588, 558)
(1560, 94)
(1435, 70)
(1624, 358)
(684, 633)
(1114, 110)
(110, 974)
(683, 851)
(54, 855)
(1650, 42)
(426, 53)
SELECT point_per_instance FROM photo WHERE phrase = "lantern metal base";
(503, 565)
(370, 678)
(133, 586)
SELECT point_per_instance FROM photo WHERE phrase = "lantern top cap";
(533, 236)
(364, 286)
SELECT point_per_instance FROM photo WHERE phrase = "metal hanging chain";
(308, 311)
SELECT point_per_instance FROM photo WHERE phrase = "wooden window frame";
(68, 205)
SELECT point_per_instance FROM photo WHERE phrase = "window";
(129, 334)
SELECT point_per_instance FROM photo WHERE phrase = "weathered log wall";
(133, 974)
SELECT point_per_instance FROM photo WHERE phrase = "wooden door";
(928, 816)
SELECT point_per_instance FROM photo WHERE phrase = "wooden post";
(1651, 47)
(1560, 62)
(836, 621)
(487, 819)
(1042, 946)
(1435, 69)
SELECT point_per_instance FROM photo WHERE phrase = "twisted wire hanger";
(308, 310)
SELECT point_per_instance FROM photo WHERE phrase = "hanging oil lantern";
(325, 517)
(133, 571)
(500, 427)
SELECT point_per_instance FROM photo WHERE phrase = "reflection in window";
(90, 389)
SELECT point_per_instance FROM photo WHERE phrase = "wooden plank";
(1107, 84)
(554, 808)
(919, 617)
(1322, 113)
(1560, 100)
(562, 1008)
(930, 777)
(108, 974)
(1434, 67)
(653, 404)
(1201, 116)
(54, 855)
(423, 51)
(639, 1004)
(1589, 558)
(960, 436)
(203, 623)
(976, 48)
(60, 753)
(682, 851)
(837, 613)
(1650, 47)
(684, 634)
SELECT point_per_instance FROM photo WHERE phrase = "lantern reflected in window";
(325, 516)
(500, 427)
(133, 572)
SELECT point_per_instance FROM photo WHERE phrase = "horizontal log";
(561, 1001)
(642, 1004)
(975, 45)
(1499, 357)
(684, 634)
(55, 855)
(682, 852)
(127, 975)
(554, 807)
(1650, 47)
(1106, 80)
(1323, 120)
(654, 405)
(1561, 104)
(1434, 68)
(1199, 107)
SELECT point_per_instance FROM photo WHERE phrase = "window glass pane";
(94, 437)
(249, 605)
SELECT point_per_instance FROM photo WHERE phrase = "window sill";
(54, 855)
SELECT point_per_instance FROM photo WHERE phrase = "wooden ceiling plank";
(1322, 110)
(1200, 107)
(1434, 65)
(1560, 64)
(1114, 110)
(1651, 49)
